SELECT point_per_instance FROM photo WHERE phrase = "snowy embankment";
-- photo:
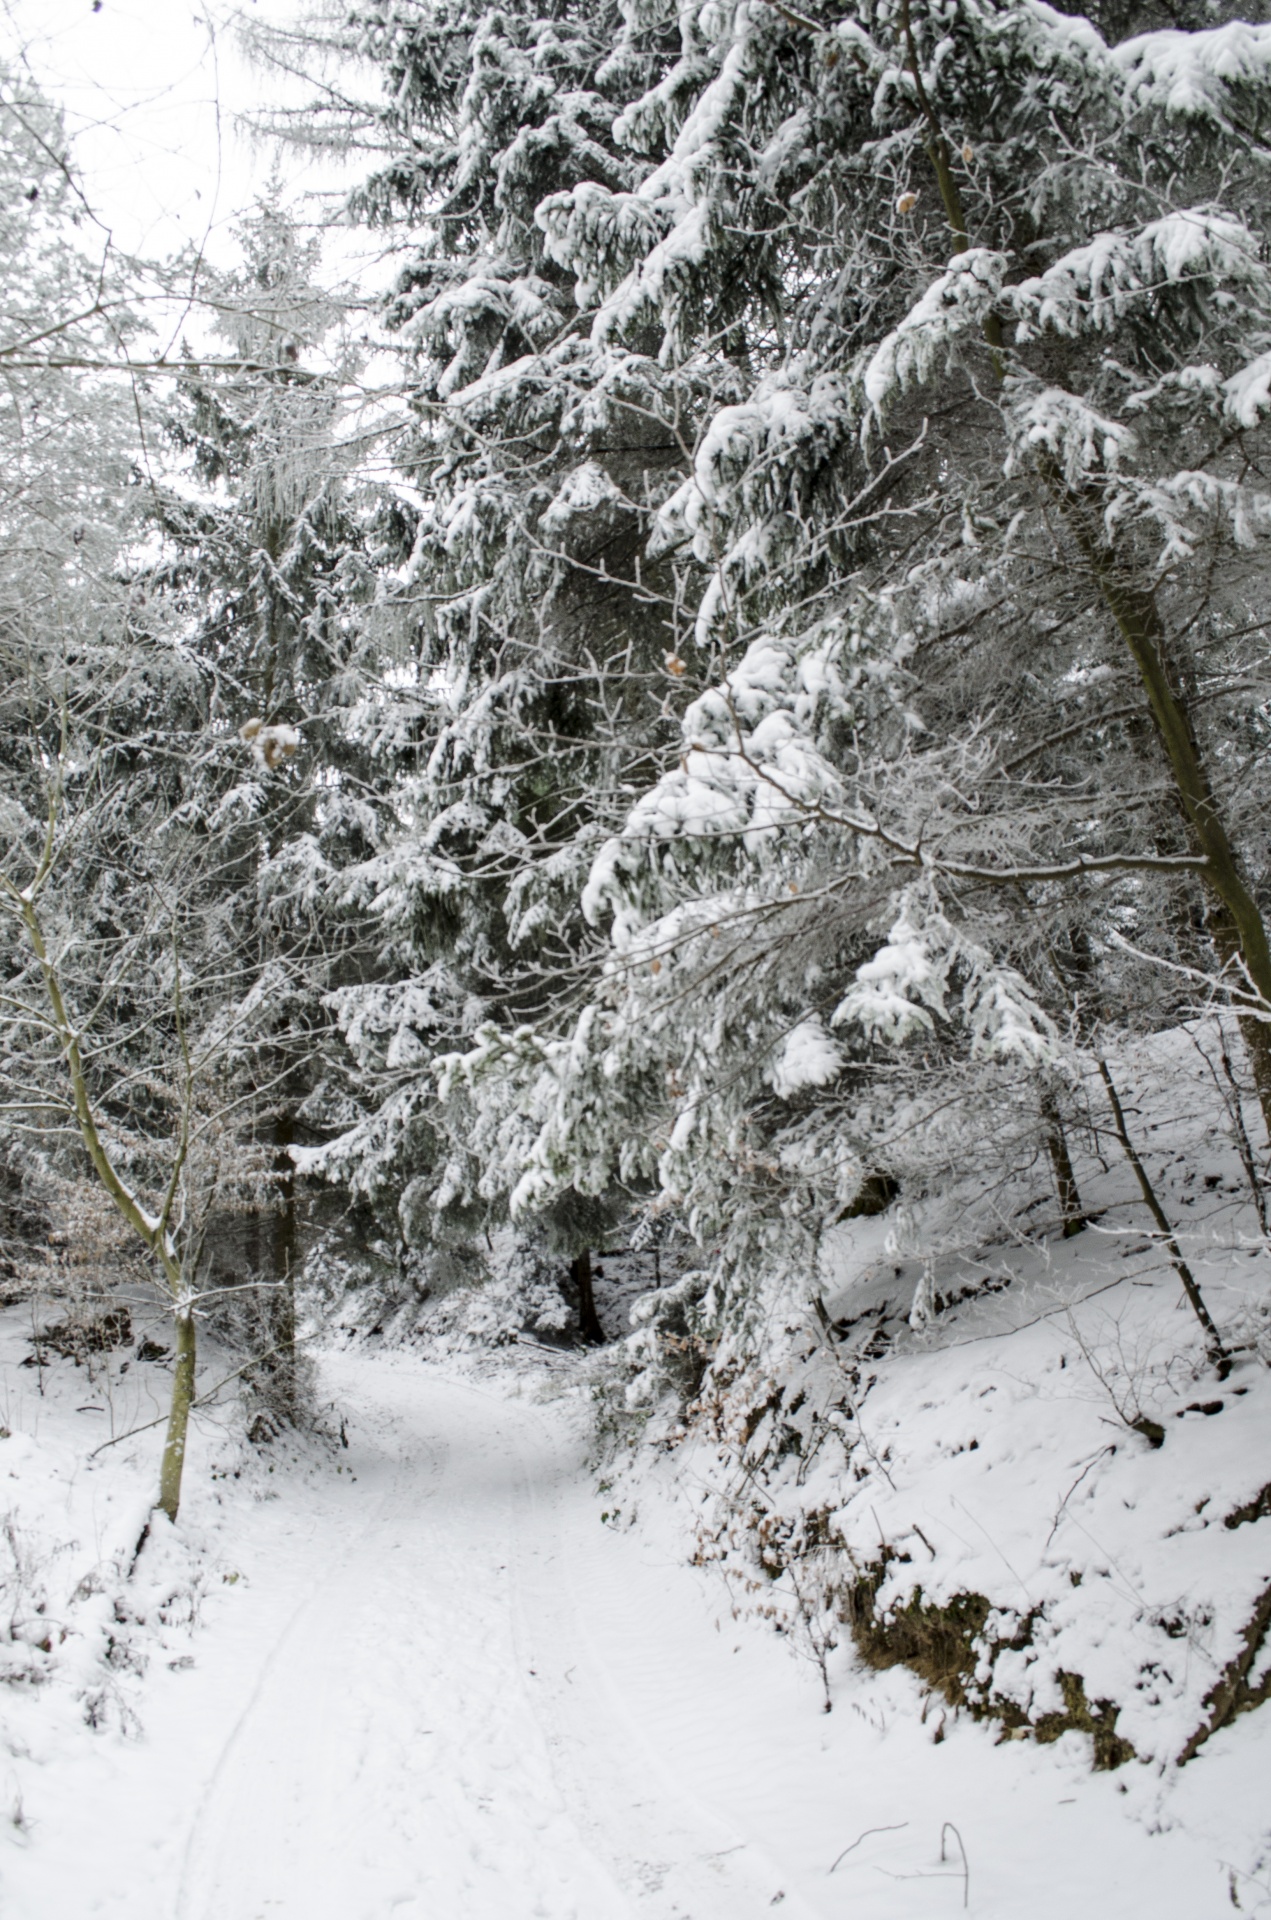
(1002, 1460)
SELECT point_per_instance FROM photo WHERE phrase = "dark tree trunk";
(1235, 920)
(588, 1319)
(1070, 1211)
(282, 1318)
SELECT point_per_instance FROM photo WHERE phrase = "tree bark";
(178, 1414)
(1217, 1353)
(1235, 920)
(1070, 1210)
(1236, 924)
(153, 1232)
(588, 1319)
(286, 1247)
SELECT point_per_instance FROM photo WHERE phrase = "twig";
(556, 1353)
(203, 1400)
(949, 1827)
(1004, 1333)
(1023, 1584)
(865, 1836)
(796, 19)
(1243, 1145)
(823, 1318)
(1059, 1511)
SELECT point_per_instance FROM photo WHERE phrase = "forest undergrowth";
(1043, 1500)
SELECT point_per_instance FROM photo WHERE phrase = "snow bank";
(1037, 1493)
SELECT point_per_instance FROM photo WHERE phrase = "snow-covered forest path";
(437, 1687)
(434, 1730)
(447, 1693)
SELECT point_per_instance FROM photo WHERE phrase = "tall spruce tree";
(545, 639)
(951, 319)
(984, 542)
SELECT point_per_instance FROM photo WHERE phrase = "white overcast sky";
(152, 91)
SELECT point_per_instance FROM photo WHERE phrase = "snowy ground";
(443, 1687)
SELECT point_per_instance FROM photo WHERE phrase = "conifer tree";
(983, 546)
(544, 638)
(952, 316)
(266, 538)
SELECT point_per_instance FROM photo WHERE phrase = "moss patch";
(1256, 1509)
(940, 1644)
(1098, 1719)
(946, 1645)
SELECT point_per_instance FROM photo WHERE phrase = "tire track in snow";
(389, 1761)
(433, 1735)
(197, 1839)
(643, 1812)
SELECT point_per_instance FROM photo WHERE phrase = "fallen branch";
(949, 1827)
(865, 1836)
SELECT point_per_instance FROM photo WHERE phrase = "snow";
(453, 1679)
(1194, 75)
(896, 993)
(807, 1057)
(608, 238)
(1247, 394)
(1079, 439)
(1161, 1600)
(438, 1661)
(582, 491)
(893, 992)
(443, 1672)
(953, 308)
(1097, 284)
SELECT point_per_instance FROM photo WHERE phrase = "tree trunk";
(588, 1319)
(1074, 1220)
(178, 1415)
(1235, 920)
(1217, 1353)
(152, 1233)
(1255, 1033)
(282, 1316)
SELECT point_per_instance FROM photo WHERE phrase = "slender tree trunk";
(1214, 1348)
(252, 1253)
(1255, 1033)
(1236, 924)
(286, 1250)
(1235, 920)
(1070, 1210)
(588, 1319)
(178, 1415)
(152, 1233)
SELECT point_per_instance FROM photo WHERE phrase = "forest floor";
(430, 1678)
